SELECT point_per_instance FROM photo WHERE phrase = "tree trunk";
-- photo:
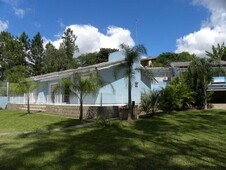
(130, 110)
(81, 108)
(205, 100)
(28, 104)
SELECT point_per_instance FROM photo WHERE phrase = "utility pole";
(136, 25)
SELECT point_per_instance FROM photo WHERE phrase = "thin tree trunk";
(205, 101)
(81, 108)
(130, 114)
(28, 104)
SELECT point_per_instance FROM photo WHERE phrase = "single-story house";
(114, 93)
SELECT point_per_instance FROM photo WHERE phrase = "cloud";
(19, 12)
(90, 39)
(37, 24)
(211, 32)
(3, 25)
(60, 21)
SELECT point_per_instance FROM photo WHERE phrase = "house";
(114, 93)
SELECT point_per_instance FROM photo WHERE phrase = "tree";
(12, 53)
(176, 96)
(132, 55)
(37, 54)
(198, 76)
(20, 84)
(164, 59)
(69, 47)
(149, 101)
(218, 54)
(80, 87)
(95, 57)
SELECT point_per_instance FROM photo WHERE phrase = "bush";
(102, 121)
(149, 101)
(176, 96)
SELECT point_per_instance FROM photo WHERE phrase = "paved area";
(46, 131)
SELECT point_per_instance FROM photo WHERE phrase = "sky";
(160, 25)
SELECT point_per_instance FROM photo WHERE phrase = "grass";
(182, 140)
(18, 121)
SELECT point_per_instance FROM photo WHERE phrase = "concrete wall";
(89, 111)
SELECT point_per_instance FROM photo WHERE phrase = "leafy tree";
(164, 59)
(68, 45)
(95, 58)
(25, 86)
(80, 87)
(37, 54)
(198, 76)
(149, 101)
(218, 54)
(176, 96)
(12, 53)
(132, 55)
(87, 59)
(54, 59)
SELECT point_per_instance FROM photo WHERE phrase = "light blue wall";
(116, 56)
(3, 101)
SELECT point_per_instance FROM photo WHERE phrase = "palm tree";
(199, 75)
(132, 55)
(80, 87)
(27, 87)
(218, 53)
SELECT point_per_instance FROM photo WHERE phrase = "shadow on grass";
(157, 143)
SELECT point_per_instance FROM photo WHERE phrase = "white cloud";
(19, 12)
(60, 21)
(211, 32)
(90, 39)
(3, 25)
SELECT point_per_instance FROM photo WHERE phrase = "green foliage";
(164, 59)
(176, 96)
(25, 86)
(199, 74)
(132, 55)
(80, 87)
(12, 53)
(218, 53)
(37, 54)
(102, 121)
(95, 58)
(149, 101)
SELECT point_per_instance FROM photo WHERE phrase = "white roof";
(81, 70)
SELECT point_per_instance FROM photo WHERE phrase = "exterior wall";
(115, 92)
(3, 101)
(72, 110)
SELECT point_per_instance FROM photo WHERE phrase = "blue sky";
(163, 25)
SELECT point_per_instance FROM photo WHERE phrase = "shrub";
(149, 101)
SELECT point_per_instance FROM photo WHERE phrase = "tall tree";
(218, 53)
(12, 53)
(68, 45)
(80, 87)
(132, 55)
(37, 54)
(198, 76)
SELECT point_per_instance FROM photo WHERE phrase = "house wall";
(3, 101)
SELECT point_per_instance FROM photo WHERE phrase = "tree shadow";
(155, 143)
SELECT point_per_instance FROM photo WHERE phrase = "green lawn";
(183, 140)
(17, 121)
